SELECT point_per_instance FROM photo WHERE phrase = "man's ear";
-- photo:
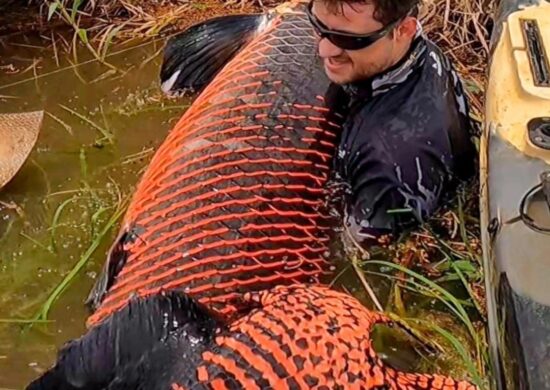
(407, 28)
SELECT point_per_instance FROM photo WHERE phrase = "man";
(405, 141)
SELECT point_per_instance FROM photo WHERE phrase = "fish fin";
(193, 57)
(137, 344)
(116, 259)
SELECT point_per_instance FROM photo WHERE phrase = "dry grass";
(459, 26)
(462, 28)
(104, 20)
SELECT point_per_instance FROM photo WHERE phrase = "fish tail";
(148, 336)
(193, 57)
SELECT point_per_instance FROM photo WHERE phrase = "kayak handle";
(544, 187)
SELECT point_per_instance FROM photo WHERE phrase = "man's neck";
(400, 54)
(398, 72)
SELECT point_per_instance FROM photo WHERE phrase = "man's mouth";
(335, 64)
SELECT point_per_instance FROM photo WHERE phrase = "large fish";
(233, 200)
(296, 337)
(228, 218)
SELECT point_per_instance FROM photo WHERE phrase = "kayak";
(515, 195)
(18, 135)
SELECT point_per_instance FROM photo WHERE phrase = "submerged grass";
(97, 235)
(44, 310)
(55, 222)
(105, 132)
(473, 353)
(424, 285)
(23, 321)
(473, 368)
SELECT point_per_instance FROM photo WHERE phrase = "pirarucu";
(215, 279)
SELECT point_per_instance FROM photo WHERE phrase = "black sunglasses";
(344, 40)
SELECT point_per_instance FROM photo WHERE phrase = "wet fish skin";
(234, 199)
(295, 337)
(230, 215)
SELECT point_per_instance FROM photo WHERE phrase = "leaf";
(76, 5)
(52, 8)
(399, 211)
(108, 38)
(83, 34)
(465, 266)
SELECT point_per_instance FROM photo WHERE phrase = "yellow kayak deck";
(515, 154)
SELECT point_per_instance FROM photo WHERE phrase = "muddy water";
(72, 181)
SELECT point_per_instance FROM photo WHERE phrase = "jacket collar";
(394, 75)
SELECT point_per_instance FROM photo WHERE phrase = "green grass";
(474, 359)
(436, 287)
(44, 310)
(71, 14)
(104, 131)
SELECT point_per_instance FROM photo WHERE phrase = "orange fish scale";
(233, 200)
(305, 337)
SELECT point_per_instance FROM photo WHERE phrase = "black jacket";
(405, 142)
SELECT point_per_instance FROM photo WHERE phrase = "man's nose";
(327, 49)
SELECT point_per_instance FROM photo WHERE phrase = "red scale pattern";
(233, 200)
(305, 337)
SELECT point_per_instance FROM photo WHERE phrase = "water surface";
(74, 177)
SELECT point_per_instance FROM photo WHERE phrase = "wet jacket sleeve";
(402, 150)
(395, 178)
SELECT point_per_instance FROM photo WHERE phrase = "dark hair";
(385, 11)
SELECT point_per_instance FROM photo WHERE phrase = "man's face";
(344, 66)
